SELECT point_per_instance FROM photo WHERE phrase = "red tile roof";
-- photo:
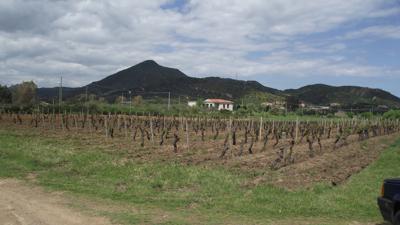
(218, 100)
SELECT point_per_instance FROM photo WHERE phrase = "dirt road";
(23, 204)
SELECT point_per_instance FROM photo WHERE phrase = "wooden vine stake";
(273, 127)
(125, 128)
(260, 131)
(297, 129)
(89, 125)
(105, 125)
(75, 122)
(62, 121)
(151, 130)
(187, 134)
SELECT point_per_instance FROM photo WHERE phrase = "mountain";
(321, 94)
(149, 79)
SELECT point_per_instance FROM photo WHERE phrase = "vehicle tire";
(396, 218)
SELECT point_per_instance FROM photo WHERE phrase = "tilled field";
(289, 154)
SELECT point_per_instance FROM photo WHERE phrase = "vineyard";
(243, 142)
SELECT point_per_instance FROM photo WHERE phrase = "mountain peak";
(149, 76)
(149, 62)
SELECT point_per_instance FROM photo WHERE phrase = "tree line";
(22, 94)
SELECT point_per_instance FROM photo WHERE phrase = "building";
(319, 109)
(274, 105)
(219, 104)
(192, 103)
(341, 114)
(302, 104)
(334, 105)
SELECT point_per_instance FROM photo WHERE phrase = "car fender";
(396, 203)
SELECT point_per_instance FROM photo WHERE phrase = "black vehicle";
(389, 201)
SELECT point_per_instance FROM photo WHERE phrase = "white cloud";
(392, 32)
(87, 40)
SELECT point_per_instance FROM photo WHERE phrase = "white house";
(192, 103)
(219, 104)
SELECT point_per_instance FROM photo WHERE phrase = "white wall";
(192, 103)
(225, 107)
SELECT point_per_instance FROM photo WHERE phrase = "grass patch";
(213, 195)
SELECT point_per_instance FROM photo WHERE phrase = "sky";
(280, 43)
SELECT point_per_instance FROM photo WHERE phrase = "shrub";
(392, 114)
(350, 114)
(366, 115)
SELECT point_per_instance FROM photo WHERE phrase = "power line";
(169, 99)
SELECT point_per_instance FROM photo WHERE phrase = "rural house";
(192, 103)
(219, 104)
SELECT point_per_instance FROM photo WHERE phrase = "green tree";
(24, 93)
(367, 115)
(292, 103)
(5, 95)
(392, 114)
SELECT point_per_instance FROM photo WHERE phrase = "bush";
(392, 114)
(350, 114)
(225, 112)
(366, 115)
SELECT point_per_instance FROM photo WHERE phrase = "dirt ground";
(22, 204)
(333, 166)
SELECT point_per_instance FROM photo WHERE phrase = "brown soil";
(329, 164)
(22, 204)
(333, 167)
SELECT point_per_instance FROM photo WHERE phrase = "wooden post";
(62, 121)
(43, 120)
(163, 121)
(297, 129)
(106, 125)
(151, 130)
(187, 134)
(125, 128)
(181, 121)
(76, 122)
(89, 124)
(118, 121)
(273, 127)
(260, 131)
(53, 118)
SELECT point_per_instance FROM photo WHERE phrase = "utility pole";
(169, 99)
(86, 94)
(86, 100)
(130, 102)
(60, 94)
(286, 107)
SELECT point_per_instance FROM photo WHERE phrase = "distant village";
(334, 107)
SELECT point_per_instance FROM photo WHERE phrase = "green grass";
(213, 195)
